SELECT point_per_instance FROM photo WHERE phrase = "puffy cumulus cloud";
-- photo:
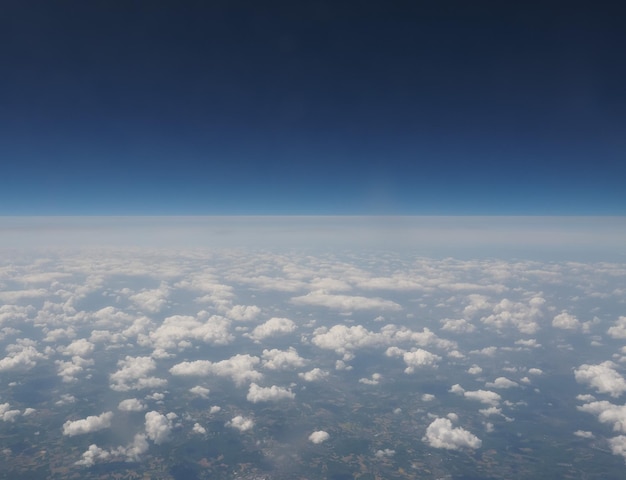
(483, 396)
(441, 434)
(618, 445)
(603, 377)
(520, 315)
(258, 394)
(275, 359)
(239, 368)
(607, 413)
(565, 321)
(387, 452)
(314, 375)
(68, 370)
(458, 326)
(178, 331)
(319, 436)
(428, 397)
(619, 329)
(199, 429)
(8, 415)
(502, 382)
(535, 371)
(243, 313)
(22, 355)
(92, 455)
(152, 301)
(273, 327)
(240, 423)
(158, 427)
(81, 348)
(131, 405)
(474, 370)
(133, 374)
(374, 380)
(90, 424)
(584, 434)
(347, 303)
(200, 391)
(135, 449)
(414, 359)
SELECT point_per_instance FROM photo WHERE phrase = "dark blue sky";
(231, 107)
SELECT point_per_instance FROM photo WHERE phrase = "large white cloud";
(319, 436)
(268, 394)
(275, 359)
(619, 329)
(313, 375)
(158, 427)
(131, 405)
(90, 424)
(607, 413)
(239, 368)
(565, 321)
(344, 302)
(133, 374)
(441, 434)
(241, 423)
(603, 377)
(273, 327)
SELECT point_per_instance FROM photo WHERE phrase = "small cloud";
(319, 436)
(240, 423)
(87, 425)
(441, 434)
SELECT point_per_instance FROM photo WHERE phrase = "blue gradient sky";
(312, 108)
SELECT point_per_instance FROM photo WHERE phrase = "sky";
(312, 108)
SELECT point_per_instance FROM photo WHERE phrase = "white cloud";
(133, 375)
(243, 313)
(319, 436)
(81, 347)
(8, 415)
(152, 300)
(428, 397)
(414, 359)
(199, 429)
(387, 452)
(314, 375)
(375, 380)
(535, 371)
(441, 434)
(619, 329)
(200, 391)
(502, 382)
(87, 425)
(268, 394)
(131, 405)
(618, 445)
(240, 423)
(158, 427)
(344, 302)
(22, 355)
(239, 368)
(458, 326)
(275, 359)
(92, 455)
(474, 370)
(607, 413)
(484, 396)
(565, 321)
(584, 434)
(273, 327)
(523, 316)
(603, 377)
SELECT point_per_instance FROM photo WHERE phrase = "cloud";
(344, 302)
(502, 382)
(131, 405)
(177, 331)
(200, 391)
(618, 445)
(522, 316)
(484, 396)
(22, 355)
(619, 329)
(243, 313)
(384, 453)
(584, 434)
(282, 359)
(269, 394)
(158, 427)
(240, 423)
(152, 301)
(474, 370)
(199, 429)
(375, 380)
(414, 359)
(319, 436)
(92, 455)
(603, 377)
(239, 368)
(87, 425)
(273, 327)
(8, 415)
(441, 434)
(607, 413)
(458, 326)
(133, 375)
(81, 347)
(565, 321)
(314, 375)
